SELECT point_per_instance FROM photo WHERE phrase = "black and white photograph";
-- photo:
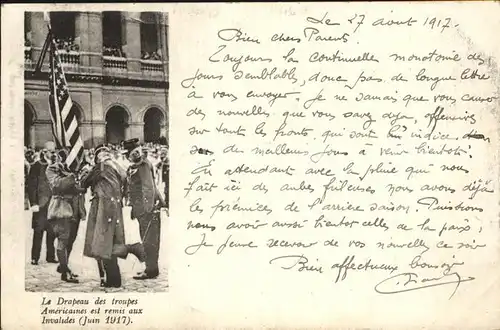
(96, 147)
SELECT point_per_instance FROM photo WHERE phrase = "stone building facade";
(116, 64)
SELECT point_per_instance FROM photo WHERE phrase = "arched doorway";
(116, 124)
(154, 120)
(29, 125)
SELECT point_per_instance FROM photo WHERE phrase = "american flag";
(63, 112)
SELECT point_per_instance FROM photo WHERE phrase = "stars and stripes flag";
(62, 111)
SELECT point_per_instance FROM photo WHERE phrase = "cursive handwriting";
(337, 146)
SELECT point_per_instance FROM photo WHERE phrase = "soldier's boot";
(59, 270)
(66, 275)
(137, 249)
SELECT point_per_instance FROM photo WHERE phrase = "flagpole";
(41, 58)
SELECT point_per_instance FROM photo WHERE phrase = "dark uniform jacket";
(64, 186)
(38, 186)
(26, 174)
(38, 192)
(143, 192)
(164, 168)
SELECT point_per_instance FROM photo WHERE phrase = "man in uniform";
(27, 166)
(146, 202)
(164, 168)
(39, 196)
(105, 236)
(61, 212)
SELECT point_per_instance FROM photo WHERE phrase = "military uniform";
(39, 194)
(105, 236)
(62, 215)
(164, 169)
(27, 166)
(146, 201)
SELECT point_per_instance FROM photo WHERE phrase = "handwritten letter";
(338, 164)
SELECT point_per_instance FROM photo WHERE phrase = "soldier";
(146, 202)
(79, 214)
(39, 196)
(145, 152)
(61, 213)
(27, 166)
(105, 236)
(164, 170)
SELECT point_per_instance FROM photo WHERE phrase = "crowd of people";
(126, 174)
(153, 56)
(154, 152)
(113, 51)
(69, 45)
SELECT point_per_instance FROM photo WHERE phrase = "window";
(63, 24)
(150, 49)
(112, 34)
(63, 28)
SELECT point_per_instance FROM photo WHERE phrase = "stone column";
(86, 134)
(39, 30)
(98, 132)
(165, 125)
(133, 42)
(126, 133)
(82, 34)
(95, 41)
(136, 130)
(88, 28)
(32, 136)
(98, 117)
(164, 41)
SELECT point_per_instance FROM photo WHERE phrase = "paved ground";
(44, 278)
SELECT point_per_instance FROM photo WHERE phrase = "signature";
(405, 282)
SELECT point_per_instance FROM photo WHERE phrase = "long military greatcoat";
(39, 192)
(105, 236)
